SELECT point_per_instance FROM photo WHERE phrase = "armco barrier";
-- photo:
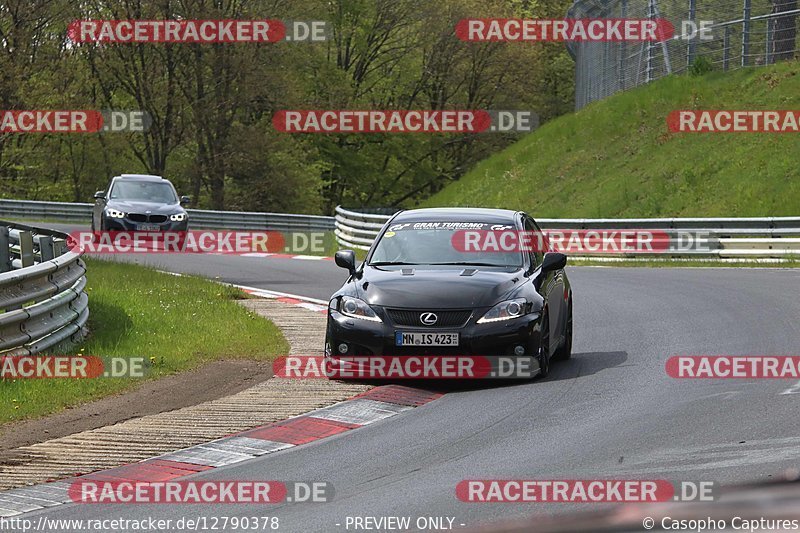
(767, 237)
(198, 218)
(42, 298)
(764, 237)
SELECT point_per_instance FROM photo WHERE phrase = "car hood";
(129, 206)
(437, 288)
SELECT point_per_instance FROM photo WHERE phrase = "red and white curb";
(368, 407)
(312, 304)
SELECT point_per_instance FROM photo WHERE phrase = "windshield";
(144, 191)
(432, 244)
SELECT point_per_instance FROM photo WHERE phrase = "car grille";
(410, 351)
(446, 319)
(139, 217)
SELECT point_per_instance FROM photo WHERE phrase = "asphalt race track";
(611, 411)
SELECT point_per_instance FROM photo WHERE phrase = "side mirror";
(553, 261)
(186, 200)
(346, 259)
(100, 195)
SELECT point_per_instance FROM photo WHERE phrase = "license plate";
(148, 227)
(425, 339)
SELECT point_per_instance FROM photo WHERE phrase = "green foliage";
(701, 66)
(176, 322)
(212, 105)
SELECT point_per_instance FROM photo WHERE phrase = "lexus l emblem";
(428, 319)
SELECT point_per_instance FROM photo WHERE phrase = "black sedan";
(417, 294)
(139, 202)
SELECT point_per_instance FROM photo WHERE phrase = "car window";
(426, 246)
(536, 255)
(143, 191)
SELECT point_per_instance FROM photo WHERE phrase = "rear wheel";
(565, 351)
(544, 347)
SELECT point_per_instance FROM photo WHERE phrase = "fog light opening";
(343, 348)
(519, 350)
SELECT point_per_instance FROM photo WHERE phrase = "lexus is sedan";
(418, 293)
(139, 202)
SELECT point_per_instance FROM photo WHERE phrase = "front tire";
(565, 351)
(544, 347)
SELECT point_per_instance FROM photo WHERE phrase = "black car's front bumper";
(369, 338)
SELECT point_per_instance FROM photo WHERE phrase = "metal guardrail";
(258, 221)
(42, 298)
(198, 218)
(765, 237)
(759, 237)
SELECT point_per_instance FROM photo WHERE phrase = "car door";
(97, 210)
(552, 289)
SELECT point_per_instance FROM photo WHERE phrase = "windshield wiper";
(472, 263)
(390, 263)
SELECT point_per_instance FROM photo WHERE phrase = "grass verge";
(616, 159)
(175, 322)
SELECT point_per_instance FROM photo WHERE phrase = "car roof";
(139, 177)
(458, 214)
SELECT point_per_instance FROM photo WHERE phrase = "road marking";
(713, 456)
(794, 389)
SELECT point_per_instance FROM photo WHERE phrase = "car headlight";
(179, 217)
(353, 307)
(505, 311)
(113, 213)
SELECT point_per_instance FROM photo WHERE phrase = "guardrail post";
(26, 256)
(59, 247)
(691, 50)
(46, 251)
(726, 49)
(746, 32)
(770, 38)
(5, 257)
(623, 49)
(651, 14)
